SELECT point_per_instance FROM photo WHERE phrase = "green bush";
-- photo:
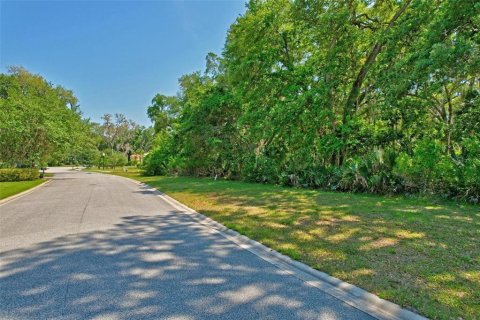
(16, 174)
(156, 163)
(264, 169)
(469, 172)
(116, 159)
(161, 160)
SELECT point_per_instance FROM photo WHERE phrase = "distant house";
(137, 157)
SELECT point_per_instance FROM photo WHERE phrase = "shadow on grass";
(158, 267)
(416, 252)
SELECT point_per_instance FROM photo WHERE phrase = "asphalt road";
(92, 246)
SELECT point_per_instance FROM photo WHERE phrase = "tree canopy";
(42, 124)
(39, 122)
(377, 96)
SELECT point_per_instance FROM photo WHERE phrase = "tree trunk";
(351, 102)
(353, 97)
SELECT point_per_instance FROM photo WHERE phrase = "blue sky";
(115, 55)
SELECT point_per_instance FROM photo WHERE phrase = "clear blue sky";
(115, 55)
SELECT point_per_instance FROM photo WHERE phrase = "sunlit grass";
(419, 253)
(8, 189)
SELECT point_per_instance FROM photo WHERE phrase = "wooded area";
(41, 124)
(370, 96)
(363, 96)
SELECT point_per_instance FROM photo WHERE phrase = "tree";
(39, 122)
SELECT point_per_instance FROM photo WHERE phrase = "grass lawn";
(422, 254)
(8, 189)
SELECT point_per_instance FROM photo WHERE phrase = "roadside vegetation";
(364, 96)
(18, 174)
(357, 96)
(421, 253)
(41, 125)
(16, 180)
(370, 110)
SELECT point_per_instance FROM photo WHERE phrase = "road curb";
(21, 194)
(348, 293)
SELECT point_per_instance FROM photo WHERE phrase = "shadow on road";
(161, 266)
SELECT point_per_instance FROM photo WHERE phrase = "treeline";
(370, 96)
(41, 124)
(121, 141)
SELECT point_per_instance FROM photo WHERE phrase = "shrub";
(470, 171)
(162, 159)
(421, 171)
(16, 174)
(370, 173)
(264, 169)
(116, 159)
(156, 162)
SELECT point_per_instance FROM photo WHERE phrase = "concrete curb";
(348, 293)
(21, 194)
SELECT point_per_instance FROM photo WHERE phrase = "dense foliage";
(41, 124)
(119, 138)
(16, 174)
(375, 96)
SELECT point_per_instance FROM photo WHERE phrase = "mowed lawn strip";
(419, 253)
(8, 189)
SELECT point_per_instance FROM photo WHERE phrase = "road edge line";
(23, 193)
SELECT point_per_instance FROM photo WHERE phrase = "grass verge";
(422, 254)
(8, 189)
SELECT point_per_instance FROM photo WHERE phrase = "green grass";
(8, 189)
(423, 254)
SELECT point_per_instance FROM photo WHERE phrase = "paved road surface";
(92, 246)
